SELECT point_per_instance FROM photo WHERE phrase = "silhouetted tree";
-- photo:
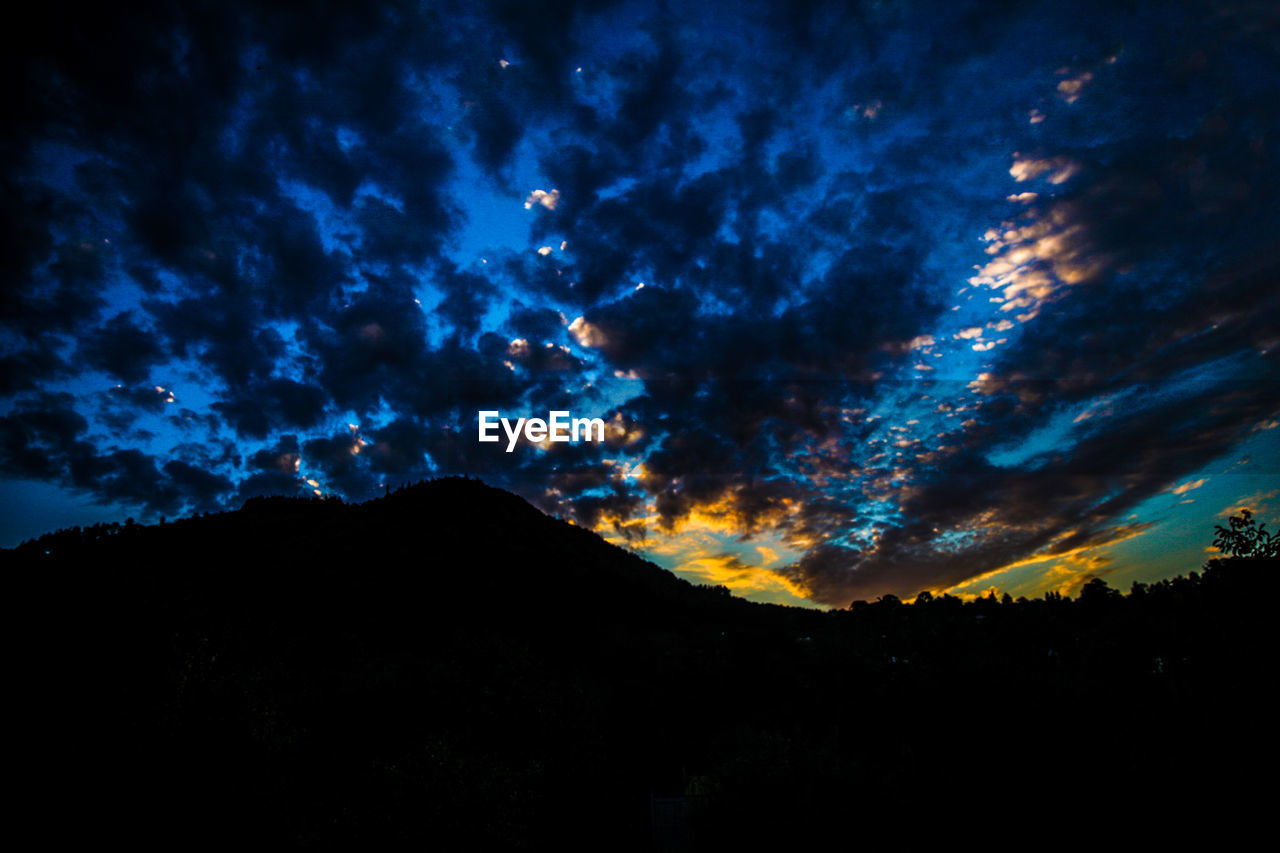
(1244, 538)
(1097, 590)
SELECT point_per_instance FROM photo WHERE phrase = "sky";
(874, 298)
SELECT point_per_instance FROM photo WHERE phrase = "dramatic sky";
(875, 297)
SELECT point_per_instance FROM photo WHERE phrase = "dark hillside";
(448, 666)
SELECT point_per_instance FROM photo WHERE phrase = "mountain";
(448, 667)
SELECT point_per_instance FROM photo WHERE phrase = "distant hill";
(449, 667)
(452, 539)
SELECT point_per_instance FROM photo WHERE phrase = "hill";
(447, 666)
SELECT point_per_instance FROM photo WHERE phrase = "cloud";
(120, 348)
(549, 200)
(739, 577)
(46, 438)
(1189, 486)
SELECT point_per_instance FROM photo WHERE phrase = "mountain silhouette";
(449, 667)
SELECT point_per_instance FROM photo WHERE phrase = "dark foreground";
(448, 667)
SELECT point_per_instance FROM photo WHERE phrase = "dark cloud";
(399, 448)
(340, 464)
(223, 335)
(263, 408)
(29, 366)
(274, 470)
(45, 438)
(268, 483)
(64, 299)
(121, 406)
(128, 476)
(283, 458)
(202, 489)
(38, 434)
(610, 511)
(536, 323)
(151, 398)
(121, 348)
(466, 299)
(545, 357)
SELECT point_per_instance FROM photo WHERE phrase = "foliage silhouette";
(1244, 538)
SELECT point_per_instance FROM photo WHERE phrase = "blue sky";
(875, 298)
